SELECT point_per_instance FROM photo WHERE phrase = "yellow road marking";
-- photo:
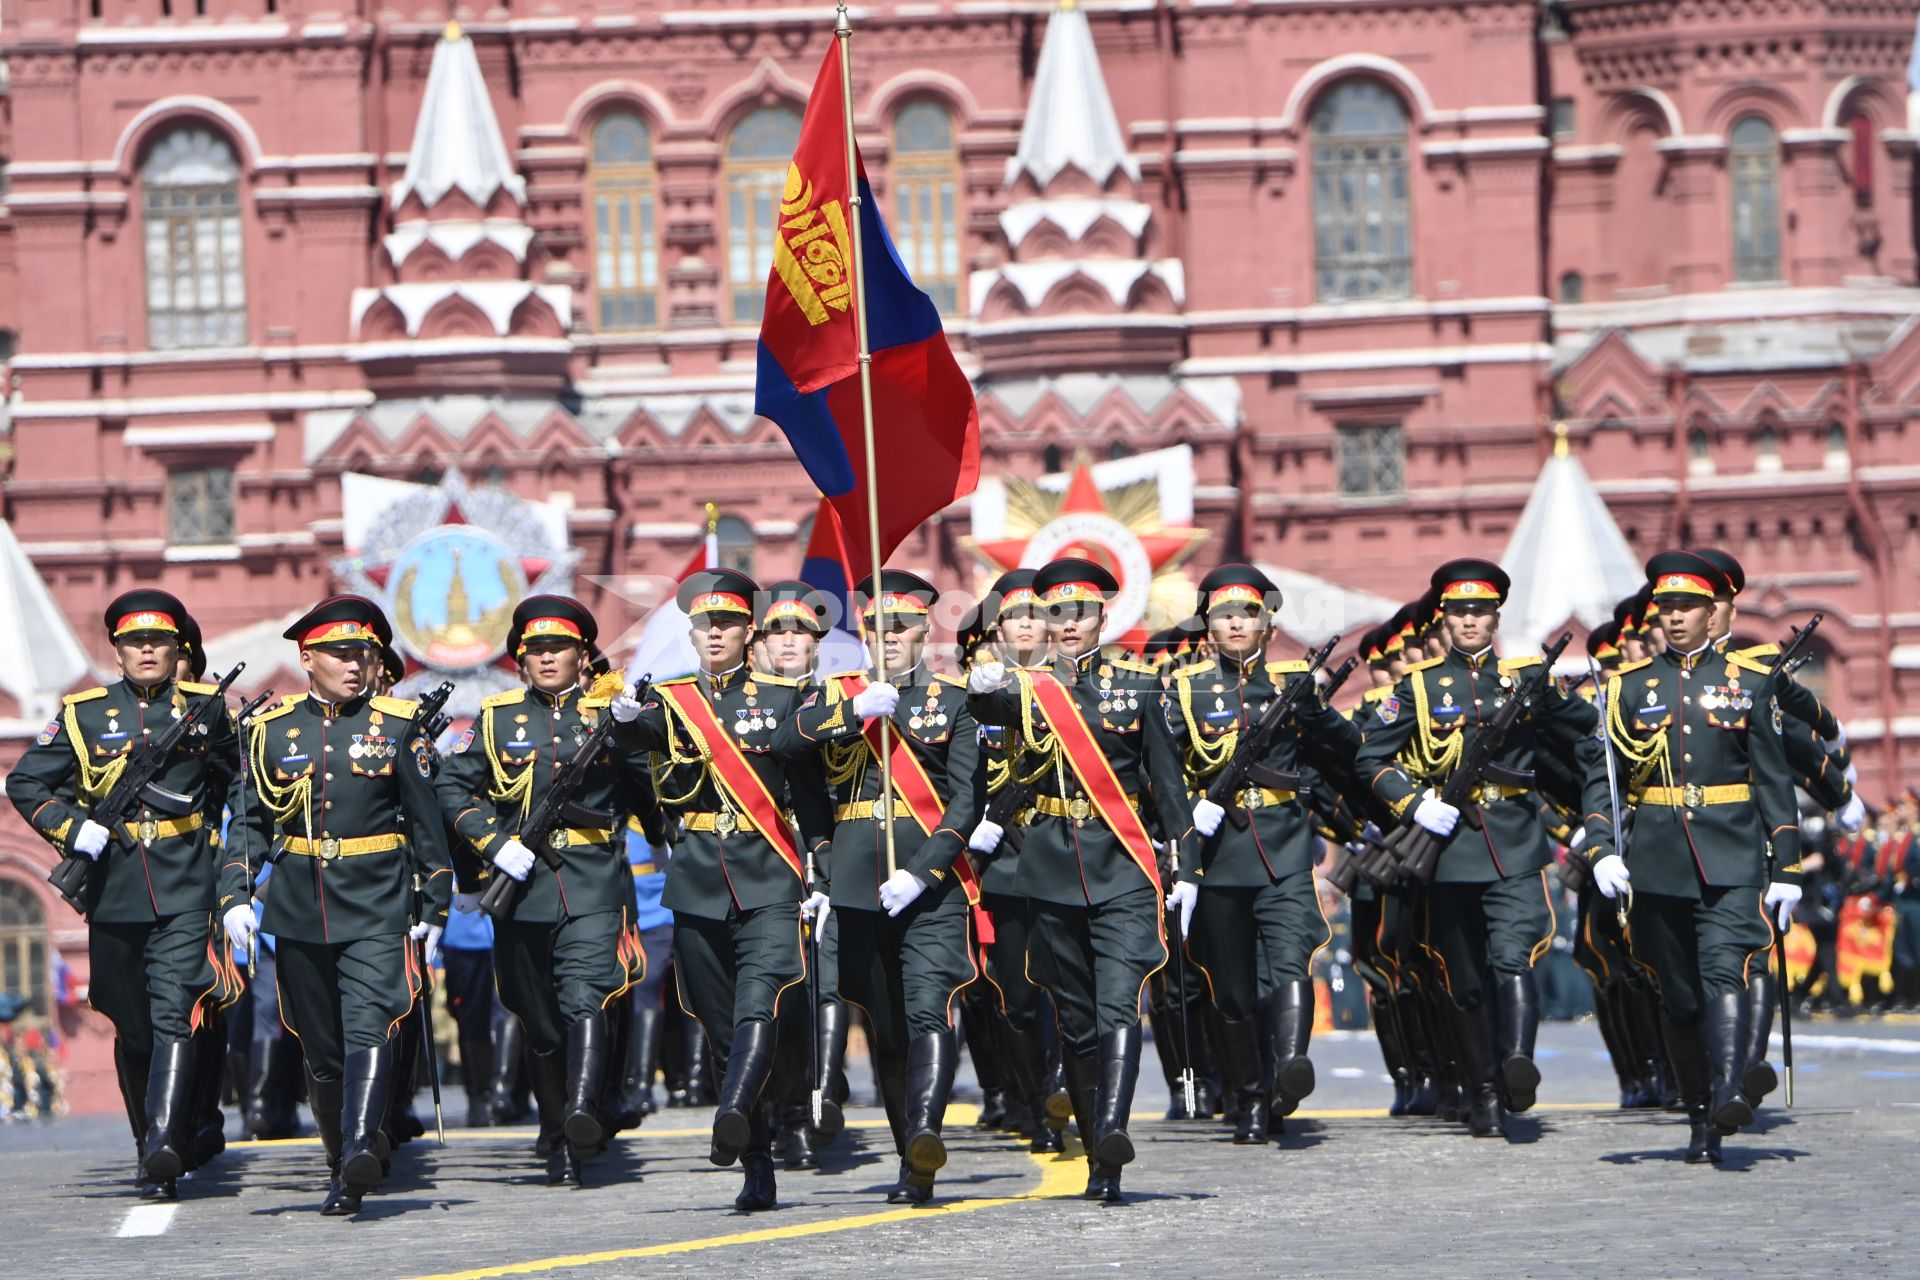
(1059, 1176)
(959, 1113)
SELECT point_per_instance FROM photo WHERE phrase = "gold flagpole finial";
(713, 518)
(1560, 449)
(453, 31)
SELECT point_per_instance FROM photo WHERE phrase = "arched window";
(926, 201)
(196, 279)
(1860, 160)
(1753, 157)
(1050, 459)
(1699, 451)
(23, 948)
(1573, 288)
(626, 228)
(735, 537)
(758, 153)
(1362, 239)
(1836, 447)
(1766, 448)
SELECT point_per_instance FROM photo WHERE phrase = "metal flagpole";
(843, 34)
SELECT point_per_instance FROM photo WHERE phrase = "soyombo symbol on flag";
(926, 426)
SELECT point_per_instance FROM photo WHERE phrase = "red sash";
(1090, 766)
(1893, 855)
(730, 768)
(911, 783)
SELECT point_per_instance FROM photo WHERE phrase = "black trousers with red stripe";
(1481, 933)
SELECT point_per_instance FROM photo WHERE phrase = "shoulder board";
(85, 695)
(1510, 665)
(1768, 650)
(1747, 663)
(394, 706)
(1198, 668)
(687, 679)
(1374, 695)
(1138, 668)
(287, 703)
(941, 677)
(1588, 693)
(1422, 666)
(506, 699)
(1632, 666)
(780, 682)
(188, 686)
(1290, 667)
(595, 704)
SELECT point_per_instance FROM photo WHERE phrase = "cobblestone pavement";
(1579, 1189)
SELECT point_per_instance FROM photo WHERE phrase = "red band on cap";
(340, 633)
(549, 627)
(1470, 589)
(1069, 592)
(893, 603)
(1683, 584)
(1237, 593)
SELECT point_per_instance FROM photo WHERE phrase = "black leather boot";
(931, 1060)
(131, 1069)
(989, 1066)
(748, 1065)
(327, 1098)
(549, 1072)
(1119, 1072)
(795, 1138)
(758, 1191)
(476, 1074)
(1693, 1075)
(1423, 1088)
(209, 1075)
(1758, 1079)
(1027, 1065)
(1726, 1028)
(834, 1019)
(588, 1043)
(1393, 1053)
(1080, 1074)
(1703, 1138)
(169, 1110)
(509, 1045)
(1240, 1050)
(1473, 1044)
(1519, 1014)
(643, 1062)
(401, 1123)
(1058, 1106)
(260, 1065)
(369, 1079)
(699, 1055)
(1291, 1010)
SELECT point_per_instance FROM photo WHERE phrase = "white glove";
(625, 708)
(1181, 901)
(466, 903)
(1853, 774)
(1610, 876)
(1578, 837)
(986, 837)
(91, 838)
(1781, 900)
(1207, 816)
(242, 928)
(1837, 741)
(816, 908)
(986, 677)
(1852, 815)
(514, 859)
(430, 934)
(875, 701)
(901, 888)
(1436, 815)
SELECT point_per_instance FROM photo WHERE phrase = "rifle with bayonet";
(544, 832)
(137, 787)
(1248, 767)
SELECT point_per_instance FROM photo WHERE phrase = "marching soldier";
(569, 950)
(340, 785)
(1246, 899)
(158, 967)
(1697, 734)
(1012, 630)
(903, 902)
(1094, 740)
(1488, 914)
(736, 876)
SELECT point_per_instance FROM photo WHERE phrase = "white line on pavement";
(1862, 1044)
(147, 1220)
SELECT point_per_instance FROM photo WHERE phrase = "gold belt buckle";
(148, 830)
(558, 838)
(329, 848)
(724, 824)
(1693, 795)
(1251, 798)
(883, 810)
(1080, 809)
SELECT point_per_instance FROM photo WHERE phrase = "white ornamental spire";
(1070, 121)
(40, 656)
(457, 141)
(1567, 557)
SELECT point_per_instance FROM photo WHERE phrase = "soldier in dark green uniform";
(1697, 741)
(1246, 899)
(901, 901)
(338, 790)
(1093, 738)
(1011, 629)
(569, 951)
(736, 876)
(158, 965)
(1488, 914)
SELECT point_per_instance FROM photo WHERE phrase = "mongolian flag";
(825, 566)
(926, 425)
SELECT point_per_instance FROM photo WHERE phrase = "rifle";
(1417, 849)
(1613, 787)
(1791, 657)
(240, 741)
(549, 819)
(1004, 807)
(429, 721)
(137, 787)
(1256, 742)
(1339, 678)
